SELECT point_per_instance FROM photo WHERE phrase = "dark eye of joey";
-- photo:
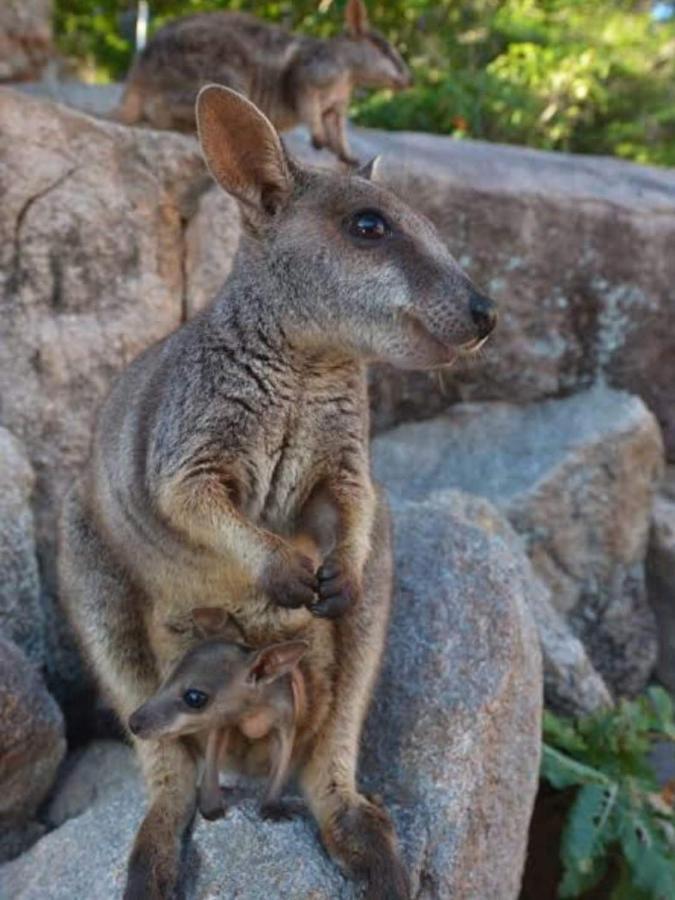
(368, 225)
(195, 699)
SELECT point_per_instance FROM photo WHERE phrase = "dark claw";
(276, 812)
(212, 813)
(331, 607)
(328, 571)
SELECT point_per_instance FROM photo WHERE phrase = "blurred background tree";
(588, 76)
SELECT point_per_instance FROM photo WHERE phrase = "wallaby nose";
(483, 312)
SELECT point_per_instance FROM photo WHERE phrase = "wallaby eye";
(195, 699)
(368, 224)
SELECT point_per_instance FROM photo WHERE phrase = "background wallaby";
(213, 442)
(291, 78)
(221, 686)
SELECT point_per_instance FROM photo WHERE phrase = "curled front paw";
(289, 579)
(337, 590)
(277, 812)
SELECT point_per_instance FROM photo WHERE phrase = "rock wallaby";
(221, 688)
(215, 441)
(292, 78)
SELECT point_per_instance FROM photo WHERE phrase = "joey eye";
(195, 699)
(368, 224)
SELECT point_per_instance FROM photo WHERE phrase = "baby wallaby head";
(344, 263)
(215, 682)
(376, 62)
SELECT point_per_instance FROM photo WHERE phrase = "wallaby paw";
(318, 143)
(214, 812)
(336, 590)
(350, 161)
(276, 812)
(289, 579)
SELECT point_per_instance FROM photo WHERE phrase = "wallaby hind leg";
(309, 112)
(154, 865)
(105, 611)
(335, 124)
(357, 833)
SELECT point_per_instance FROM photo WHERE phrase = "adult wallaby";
(292, 78)
(221, 689)
(216, 440)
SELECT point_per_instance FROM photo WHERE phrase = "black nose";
(483, 312)
(135, 723)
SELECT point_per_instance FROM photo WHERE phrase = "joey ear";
(276, 660)
(214, 621)
(356, 18)
(243, 152)
(370, 170)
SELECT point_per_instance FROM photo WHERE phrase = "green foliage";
(618, 814)
(593, 76)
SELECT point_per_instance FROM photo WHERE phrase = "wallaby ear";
(214, 621)
(276, 660)
(370, 170)
(356, 18)
(243, 152)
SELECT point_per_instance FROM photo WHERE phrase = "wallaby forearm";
(355, 501)
(204, 512)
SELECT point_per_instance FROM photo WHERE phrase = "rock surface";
(452, 743)
(25, 38)
(22, 616)
(552, 237)
(92, 270)
(576, 478)
(32, 742)
(661, 577)
(593, 307)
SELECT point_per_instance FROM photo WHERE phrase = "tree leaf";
(562, 771)
(587, 835)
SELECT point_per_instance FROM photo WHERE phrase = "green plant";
(618, 816)
(590, 76)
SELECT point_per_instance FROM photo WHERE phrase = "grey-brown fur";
(292, 78)
(239, 691)
(216, 441)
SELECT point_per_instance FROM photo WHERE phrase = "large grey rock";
(22, 615)
(32, 742)
(576, 478)
(452, 742)
(661, 577)
(88, 777)
(576, 250)
(594, 306)
(25, 38)
(92, 270)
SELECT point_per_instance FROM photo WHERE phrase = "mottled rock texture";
(661, 576)
(25, 38)
(22, 615)
(32, 742)
(576, 249)
(93, 260)
(452, 743)
(576, 478)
